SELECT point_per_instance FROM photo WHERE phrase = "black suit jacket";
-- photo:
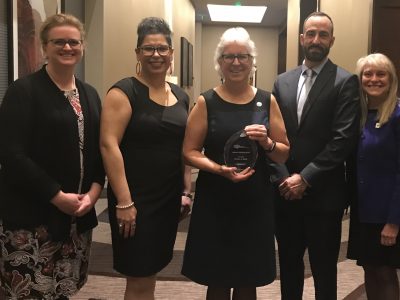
(39, 152)
(325, 136)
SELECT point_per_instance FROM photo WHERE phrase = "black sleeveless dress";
(231, 235)
(152, 153)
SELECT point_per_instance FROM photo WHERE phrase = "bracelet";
(272, 147)
(189, 195)
(125, 206)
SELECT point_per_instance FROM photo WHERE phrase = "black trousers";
(320, 233)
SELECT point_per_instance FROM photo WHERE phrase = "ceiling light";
(236, 13)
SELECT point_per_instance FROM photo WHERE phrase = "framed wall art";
(190, 65)
(26, 18)
(186, 63)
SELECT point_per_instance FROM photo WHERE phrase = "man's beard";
(316, 56)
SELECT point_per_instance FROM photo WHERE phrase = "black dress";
(231, 235)
(152, 153)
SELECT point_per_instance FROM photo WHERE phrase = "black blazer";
(39, 153)
(326, 135)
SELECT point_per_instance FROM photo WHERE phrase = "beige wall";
(112, 35)
(112, 39)
(183, 16)
(266, 40)
(94, 52)
(292, 47)
(197, 63)
(352, 22)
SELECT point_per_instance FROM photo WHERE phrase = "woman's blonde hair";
(386, 109)
(240, 36)
(60, 20)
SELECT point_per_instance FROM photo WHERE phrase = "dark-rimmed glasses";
(60, 43)
(230, 58)
(150, 50)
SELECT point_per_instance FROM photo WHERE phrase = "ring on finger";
(120, 225)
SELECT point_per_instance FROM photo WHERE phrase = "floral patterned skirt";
(32, 266)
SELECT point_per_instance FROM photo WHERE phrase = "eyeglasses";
(60, 43)
(230, 58)
(150, 50)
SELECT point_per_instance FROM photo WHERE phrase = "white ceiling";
(275, 15)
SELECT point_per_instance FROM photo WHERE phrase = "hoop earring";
(138, 68)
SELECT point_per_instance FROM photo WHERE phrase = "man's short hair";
(318, 14)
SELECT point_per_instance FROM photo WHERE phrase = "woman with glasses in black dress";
(230, 243)
(142, 130)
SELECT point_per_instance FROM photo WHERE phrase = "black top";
(39, 152)
(152, 152)
(231, 235)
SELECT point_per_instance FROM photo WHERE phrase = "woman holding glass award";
(230, 242)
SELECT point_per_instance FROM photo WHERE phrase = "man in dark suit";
(320, 111)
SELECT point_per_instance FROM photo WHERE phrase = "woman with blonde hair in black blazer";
(51, 171)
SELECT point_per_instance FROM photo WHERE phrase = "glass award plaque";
(240, 151)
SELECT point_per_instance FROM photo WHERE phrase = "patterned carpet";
(105, 283)
(171, 285)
